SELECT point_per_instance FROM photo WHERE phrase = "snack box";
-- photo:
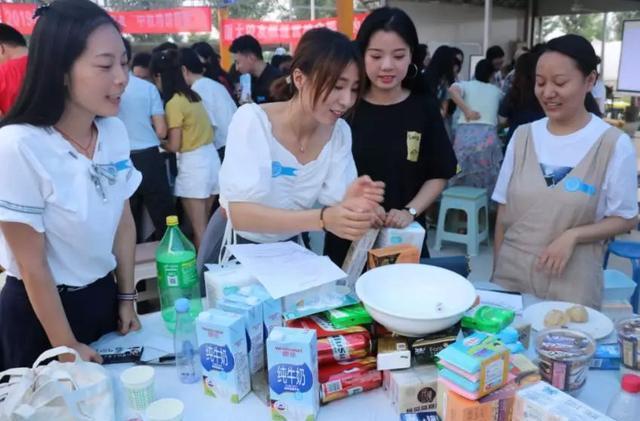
(323, 327)
(403, 253)
(543, 402)
(420, 416)
(607, 357)
(424, 350)
(486, 318)
(412, 390)
(393, 353)
(349, 383)
(349, 316)
(480, 359)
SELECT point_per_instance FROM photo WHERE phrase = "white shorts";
(198, 173)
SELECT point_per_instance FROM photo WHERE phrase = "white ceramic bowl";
(415, 300)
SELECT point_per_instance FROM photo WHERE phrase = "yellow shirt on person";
(192, 118)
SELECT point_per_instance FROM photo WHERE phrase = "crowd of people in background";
(341, 136)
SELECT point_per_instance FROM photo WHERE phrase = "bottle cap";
(172, 220)
(631, 383)
(182, 305)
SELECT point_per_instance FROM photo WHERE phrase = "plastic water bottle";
(185, 343)
(625, 406)
(177, 273)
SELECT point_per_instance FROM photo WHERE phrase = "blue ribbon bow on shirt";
(100, 173)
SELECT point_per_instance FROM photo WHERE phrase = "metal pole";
(605, 17)
(530, 24)
(312, 5)
(488, 9)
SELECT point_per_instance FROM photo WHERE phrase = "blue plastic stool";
(629, 250)
(471, 200)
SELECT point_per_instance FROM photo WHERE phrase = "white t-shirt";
(257, 168)
(75, 202)
(219, 105)
(483, 98)
(559, 154)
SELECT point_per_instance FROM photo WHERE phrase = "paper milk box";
(223, 355)
(252, 315)
(271, 308)
(292, 356)
(413, 234)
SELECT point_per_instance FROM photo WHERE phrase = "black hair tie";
(41, 10)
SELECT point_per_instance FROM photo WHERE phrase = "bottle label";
(178, 275)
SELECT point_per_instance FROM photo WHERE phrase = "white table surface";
(369, 406)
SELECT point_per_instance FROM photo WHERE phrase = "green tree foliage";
(587, 25)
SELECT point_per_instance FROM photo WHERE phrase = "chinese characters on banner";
(279, 32)
(160, 21)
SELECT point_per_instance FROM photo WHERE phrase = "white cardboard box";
(543, 402)
(413, 234)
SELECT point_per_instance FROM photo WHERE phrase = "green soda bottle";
(177, 273)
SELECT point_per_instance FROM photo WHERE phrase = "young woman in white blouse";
(282, 158)
(567, 184)
(65, 222)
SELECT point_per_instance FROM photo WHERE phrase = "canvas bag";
(70, 391)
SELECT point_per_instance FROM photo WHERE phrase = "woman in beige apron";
(548, 240)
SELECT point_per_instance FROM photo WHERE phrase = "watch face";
(412, 211)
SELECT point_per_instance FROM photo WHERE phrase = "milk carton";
(223, 280)
(292, 356)
(413, 234)
(252, 315)
(271, 308)
(223, 355)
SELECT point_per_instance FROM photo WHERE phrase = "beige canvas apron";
(535, 215)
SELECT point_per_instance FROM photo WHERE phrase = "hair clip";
(41, 10)
(288, 80)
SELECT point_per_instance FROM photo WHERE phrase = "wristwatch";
(412, 211)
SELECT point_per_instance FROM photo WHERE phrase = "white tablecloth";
(369, 406)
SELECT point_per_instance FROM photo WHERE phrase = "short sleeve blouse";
(75, 202)
(257, 168)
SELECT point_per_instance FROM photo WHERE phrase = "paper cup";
(138, 386)
(165, 410)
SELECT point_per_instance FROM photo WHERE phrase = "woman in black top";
(520, 105)
(398, 132)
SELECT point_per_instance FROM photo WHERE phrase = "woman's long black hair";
(167, 64)
(59, 38)
(392, 19)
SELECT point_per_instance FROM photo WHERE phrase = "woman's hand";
(85, 351)
(555, 257)
(397, 218)
(127, 317)
(472, 115)
(379, 217)
(351, 219)
(365, 187)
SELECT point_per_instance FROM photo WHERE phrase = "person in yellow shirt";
(190, 135)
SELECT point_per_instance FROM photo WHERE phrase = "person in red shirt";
(13, 65)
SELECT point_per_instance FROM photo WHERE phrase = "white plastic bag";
(58, 391)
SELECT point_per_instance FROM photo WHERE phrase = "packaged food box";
(223, 354)
(327, 371)
(412, 390)
(425, 349)
(486, 318)
(349, 383)
(543, 402)
(420, 416)
(349, 316)
(323, 327)
(403, 253)
(478, 363)
(343, 347)
(393, 353)
(293, 374)
(607, 357)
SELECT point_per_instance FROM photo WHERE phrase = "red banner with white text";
(279, 32)
(160, 21)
